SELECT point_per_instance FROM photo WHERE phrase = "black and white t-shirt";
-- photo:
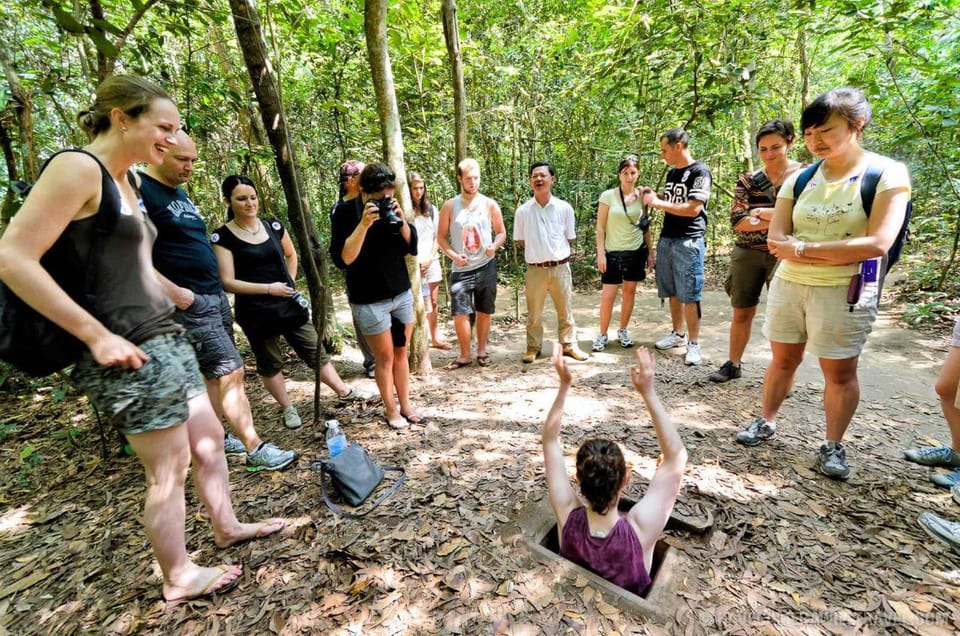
(684, 184)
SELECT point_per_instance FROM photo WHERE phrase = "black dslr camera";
(385, 206)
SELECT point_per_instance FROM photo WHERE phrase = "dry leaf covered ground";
(791, 552)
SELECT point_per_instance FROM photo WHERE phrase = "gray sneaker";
(269, 457)
(728, 371)
(233, 446)
(758, 430)
(832, 462)
(624, 337)
(946, 480)
(354, 395)
(933, 456)
(941, 529)
(291, 419)
(600, 342)
(670, 341)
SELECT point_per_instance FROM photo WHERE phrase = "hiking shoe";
(933, 456)
(832, 461)
(529, 356)
(693, 355)
(600, 342)
(370, 372)
(946, 480)
(941, 529)
(291, 419)
(670, 341)
(624, 337)
(233, 446)
(955, 493)
(729, 371)
(354, 395)
(269, 457)
(573, 351)
(758, 430)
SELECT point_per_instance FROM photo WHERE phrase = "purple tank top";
(618, 557)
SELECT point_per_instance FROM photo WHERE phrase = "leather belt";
(550, 263)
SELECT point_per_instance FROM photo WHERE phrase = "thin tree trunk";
(250, 38)
(22, 106)
(10, 160)
(451, 34)
(375, 26)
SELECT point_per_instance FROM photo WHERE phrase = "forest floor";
(791, 552)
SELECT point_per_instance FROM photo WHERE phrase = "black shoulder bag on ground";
(643, 223)
(355, 476)
(28, 340)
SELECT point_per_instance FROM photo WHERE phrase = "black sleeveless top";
(129, 300)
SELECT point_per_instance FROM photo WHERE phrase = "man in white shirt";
(544, 228)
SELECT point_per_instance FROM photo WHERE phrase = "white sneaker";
(291, 419)
(693, 354)
(625, 340)
(600, 342)
(672, 340)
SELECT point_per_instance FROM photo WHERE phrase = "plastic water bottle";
(336, 440)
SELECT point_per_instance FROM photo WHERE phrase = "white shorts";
(819, 317)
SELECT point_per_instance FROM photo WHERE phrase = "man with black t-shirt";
(681, 248)
(187, 269)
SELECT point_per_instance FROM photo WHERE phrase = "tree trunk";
(22, 106)
(451, 34)
(250, 38)
(10, 160)
(375, 26)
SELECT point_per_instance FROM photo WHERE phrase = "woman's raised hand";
(643, 372)
(560, 364)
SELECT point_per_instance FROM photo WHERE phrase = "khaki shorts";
(151, 398)
(819, 317)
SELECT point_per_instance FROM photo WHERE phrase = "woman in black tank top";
(138, 370)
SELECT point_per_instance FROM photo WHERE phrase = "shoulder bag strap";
(623, 201)
(803, 179)
(353, 515)
(868, 186)
(279, 247)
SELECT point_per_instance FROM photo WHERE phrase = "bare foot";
(440, 344)
(248, 531)
(199, 582)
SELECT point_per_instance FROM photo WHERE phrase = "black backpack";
(28, 340)
(868, 190)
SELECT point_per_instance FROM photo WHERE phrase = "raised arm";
(562, 497)
(651, 513)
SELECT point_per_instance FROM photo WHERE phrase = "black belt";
(550, 263)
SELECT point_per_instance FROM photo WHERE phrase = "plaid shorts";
(151, 398)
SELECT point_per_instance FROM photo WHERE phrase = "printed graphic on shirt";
(472, 243)
(186, 209)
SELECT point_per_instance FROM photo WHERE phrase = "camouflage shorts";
(151, 398)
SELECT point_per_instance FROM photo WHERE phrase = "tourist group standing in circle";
(164, 368)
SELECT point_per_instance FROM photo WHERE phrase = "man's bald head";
(177, 162)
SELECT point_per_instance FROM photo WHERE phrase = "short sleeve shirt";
(621, 233)
(833, 211)
(682, 185)
(546, 230)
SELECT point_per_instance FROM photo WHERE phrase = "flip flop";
(484, 360)
(413, 418)
(260, 533)
(458, 364)
(443, 346)
(398, 423)
(209, 589)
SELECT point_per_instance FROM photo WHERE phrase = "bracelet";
(798, 249)
(268, 289)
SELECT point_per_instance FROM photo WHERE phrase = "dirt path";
(791, 552)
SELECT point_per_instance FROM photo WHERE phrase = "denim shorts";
(151, 398)
(630, 265)
(680, 268)
(374, 318)
(750, 270)
(209, 325)
(475, 290)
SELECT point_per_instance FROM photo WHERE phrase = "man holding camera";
(470, 231)
(544, 227)
(681, 248)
